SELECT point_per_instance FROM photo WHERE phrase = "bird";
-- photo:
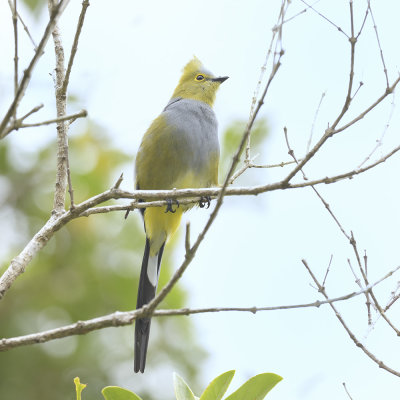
(179, 150)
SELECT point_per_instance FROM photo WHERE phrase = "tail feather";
(146, 292)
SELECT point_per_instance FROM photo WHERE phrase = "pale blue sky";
(129, 61)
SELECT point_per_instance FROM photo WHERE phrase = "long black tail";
(146, 292)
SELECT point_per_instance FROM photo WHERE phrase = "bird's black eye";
(199, 77)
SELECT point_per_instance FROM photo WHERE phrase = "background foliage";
(89, 268)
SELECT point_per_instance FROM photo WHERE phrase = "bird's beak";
(220, 79)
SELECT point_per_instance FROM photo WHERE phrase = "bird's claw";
(205, 200)
(169, 205)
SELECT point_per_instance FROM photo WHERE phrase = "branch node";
(353, 40)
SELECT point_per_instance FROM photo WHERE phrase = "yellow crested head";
(198, 83)
(193, 66)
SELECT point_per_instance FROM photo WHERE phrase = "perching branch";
(186, 196)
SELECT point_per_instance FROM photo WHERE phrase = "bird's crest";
(192, 66)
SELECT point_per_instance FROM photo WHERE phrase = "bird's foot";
(169, 205)
(205, 201)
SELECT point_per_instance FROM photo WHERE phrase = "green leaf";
(256, 388)
(218, 386)
(118, 393)
(79, 387)
(182, 390)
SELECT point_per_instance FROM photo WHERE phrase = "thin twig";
(360, 116)
(370, 292)
(72, 117)
(357, 279)
(353, 41)
(57, 11)
(118, 182)
(325, 18)
(347, 392)
(34, 110)
(187, 238)
(394, 297)
(314, 120)
(26, 30)
(19, 122)
(368, 300)
(277, 30)
(379, 141)
(379, 45)
(327, 270)
(249, 165)
(85, 5)
(363, 23)
(15, 28)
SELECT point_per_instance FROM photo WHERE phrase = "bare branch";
(325, 18)
(370, 292)
(85, 5)
(57, 11)
(19, 263)
(328, 208)
(379, 44)
(25, 29)
(331, 132)
(63, 176)
(314, 120)
(13, 8)
(363, 23)
(117, 184)
(18, 124)
(327, 270)
(118, 318)
(388, 91)
(347, 392)
(249, 164)
(62, 127)
(34, 110)
(380, 140)
(353, 41)
(277, 30)
(322, 290)
(187, 238)
(394, 297)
